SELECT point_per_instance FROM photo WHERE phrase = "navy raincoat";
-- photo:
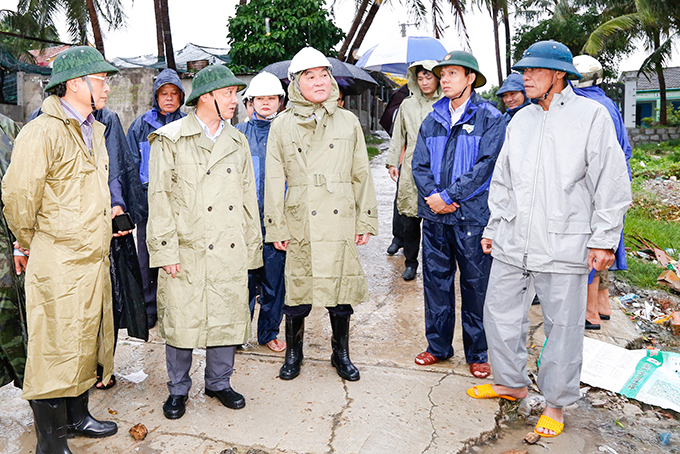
(514, 82)
(597, 94)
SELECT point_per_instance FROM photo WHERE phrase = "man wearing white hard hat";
(265, 284)
(319, 205)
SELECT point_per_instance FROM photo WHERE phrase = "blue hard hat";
(514, 82)
(550, 55)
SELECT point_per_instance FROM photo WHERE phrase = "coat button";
(369, 211)
(299, 150)
(233, 245)
(209, 208)
(228, 169)
(210, 247)
(270, 221)
(313, 213)
(106, 167)
(335, 211)
(208, 172)
(260, 247)
(231, 207)
(163, 243)
(331, 145)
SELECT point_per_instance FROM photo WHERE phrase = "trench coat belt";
(319, 179)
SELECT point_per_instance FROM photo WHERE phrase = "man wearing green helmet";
(204, 231)
(557, 199)
(58, 205)
(457, 147)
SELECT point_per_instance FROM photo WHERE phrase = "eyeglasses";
(103, 79)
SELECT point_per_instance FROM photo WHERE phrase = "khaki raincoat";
(203, 215)
(58, 205)
(319, 194)
(410, 116)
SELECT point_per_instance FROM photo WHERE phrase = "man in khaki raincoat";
(425, 91)
(319, 205)
(204, 231)
(58, 205)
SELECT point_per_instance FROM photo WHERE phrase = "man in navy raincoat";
(168, 97)
(513, 95)
(454, 158)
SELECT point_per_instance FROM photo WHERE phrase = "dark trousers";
(406, 232)
(268, 283)
(149, 275)
(444, 246)
(303, 310)
(219, 365)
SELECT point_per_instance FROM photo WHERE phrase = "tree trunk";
(167, 36)
(663, 114)
(494, 17)
(508, 43)
(159, 30)
(242, 2)
(363, 30)
(353, 29)
(96, 30)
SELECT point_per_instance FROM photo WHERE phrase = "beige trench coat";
(203, 215)
(410, 116)
(319, 194)
(58, 205)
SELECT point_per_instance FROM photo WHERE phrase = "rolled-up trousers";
(506, 321)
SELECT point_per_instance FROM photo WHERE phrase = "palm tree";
(163, 34)
(657, 24)
(495, 9)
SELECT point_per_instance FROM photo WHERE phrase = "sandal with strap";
(546, 422)
(111, 384)
(486, 392)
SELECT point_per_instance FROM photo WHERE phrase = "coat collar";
(442, 115)
(227, 142)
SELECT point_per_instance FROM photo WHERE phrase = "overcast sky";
(204, 22)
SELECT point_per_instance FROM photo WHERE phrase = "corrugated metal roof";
(190, 52)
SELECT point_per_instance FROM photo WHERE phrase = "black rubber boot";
(50, 426)
(81, 422)
(295, 332)
(340, 358)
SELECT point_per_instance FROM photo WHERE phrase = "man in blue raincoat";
(454, 158)
(168, 97)
(266, 284)
(513, 95)
(591, 71)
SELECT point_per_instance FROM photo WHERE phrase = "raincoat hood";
(514, 82)
(305, 108)
(167, 76)
(412, 80)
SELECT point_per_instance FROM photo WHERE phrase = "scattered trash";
(665, 438)
(619, 424)
(599, 403)
(532, 438)
(668, 278)
(136, 377)
(112, 411)
(516, 452)
(139, 431)
(675, 322)
(532, 404)
(607, 449)
(628, 298)
(230, 451)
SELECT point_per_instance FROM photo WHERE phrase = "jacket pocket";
(569, 227)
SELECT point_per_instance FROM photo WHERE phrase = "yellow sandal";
(546, 422)
(486, 392)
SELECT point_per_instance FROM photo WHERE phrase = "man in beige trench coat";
(58, 205)
(319, 205)
(204, 231)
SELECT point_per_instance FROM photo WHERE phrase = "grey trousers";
(506, 323)
(219, 365)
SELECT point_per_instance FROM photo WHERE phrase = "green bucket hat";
(464, 59)
(76, 62)
(212, 78)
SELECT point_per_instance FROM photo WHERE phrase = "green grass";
(372, 140)
(652, 160)
(372, 152)
(641, 273)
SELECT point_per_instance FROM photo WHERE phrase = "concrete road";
(396, 407)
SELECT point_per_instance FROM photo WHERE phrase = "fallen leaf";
(139, 431)
(112, 411)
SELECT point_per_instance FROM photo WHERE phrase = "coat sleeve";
(24, 183)
(363, 187)
(608, 183)
(398, 141)
(422, 174)
(490, 145)
(251, 212)
(161, 229)
(500, 192)
(275, 188)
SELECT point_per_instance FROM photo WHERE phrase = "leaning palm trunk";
(96, 30)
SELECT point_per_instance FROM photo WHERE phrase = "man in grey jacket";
(557, 198)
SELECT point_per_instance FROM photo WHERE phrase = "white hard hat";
(307, 58)
(264, 84)
(590, 69)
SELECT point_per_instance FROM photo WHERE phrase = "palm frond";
(660, 56)
(597, 38)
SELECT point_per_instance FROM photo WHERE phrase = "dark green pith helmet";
(76, 62)
(464, 59)
(212, 78)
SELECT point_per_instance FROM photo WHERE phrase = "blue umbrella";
(395, 56)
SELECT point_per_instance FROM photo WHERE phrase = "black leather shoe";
(228, 397)
(81, 422)
(174, 407)
(409, 273)
(394, 248)
(591, 325)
